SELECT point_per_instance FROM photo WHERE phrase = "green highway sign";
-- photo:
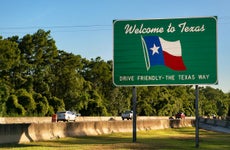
(165, 51)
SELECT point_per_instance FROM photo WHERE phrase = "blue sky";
(85, 27)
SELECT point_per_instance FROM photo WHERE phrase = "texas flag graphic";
(158, 51)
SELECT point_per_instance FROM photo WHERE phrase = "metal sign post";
(197, 116)
(134, 114)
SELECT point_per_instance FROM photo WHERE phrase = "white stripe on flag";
(173, 48)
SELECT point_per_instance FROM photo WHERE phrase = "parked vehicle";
(78, 114)
(127, 115)
(66, 116)
(180, 115)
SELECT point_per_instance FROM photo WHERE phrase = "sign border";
(175, 84)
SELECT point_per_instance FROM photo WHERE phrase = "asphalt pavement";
(214, 128)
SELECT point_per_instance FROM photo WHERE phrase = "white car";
(66, 116)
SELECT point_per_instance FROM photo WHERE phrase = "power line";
(53, 27)
(221, 19)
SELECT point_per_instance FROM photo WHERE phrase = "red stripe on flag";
(174, 62)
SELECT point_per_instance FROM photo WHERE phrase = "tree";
(13, 107)
(9, 59)
(99, 74)
(38, 53)
(42, 104)
(145, 101)
(215, 102)
(228, 103)
(56, 104)
(9, 55)
(95, 106)
(119, 100)
(189, 101)
(38, 79)
(67, 83)
(4, 94)
(26, 100)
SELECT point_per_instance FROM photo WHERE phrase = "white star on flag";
(154, 49)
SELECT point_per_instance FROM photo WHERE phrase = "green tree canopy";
(36, 78)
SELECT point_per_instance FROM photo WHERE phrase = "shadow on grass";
(182, 138)
(13, 145)
(100, 142)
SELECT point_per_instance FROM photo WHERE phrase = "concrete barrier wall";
(216, 122)
(28, 132)
(12, 120)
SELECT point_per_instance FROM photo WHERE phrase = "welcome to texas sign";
(165, 51)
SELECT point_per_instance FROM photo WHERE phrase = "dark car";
(180, 115)
(127, 115)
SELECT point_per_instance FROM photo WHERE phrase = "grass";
(183, 138)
